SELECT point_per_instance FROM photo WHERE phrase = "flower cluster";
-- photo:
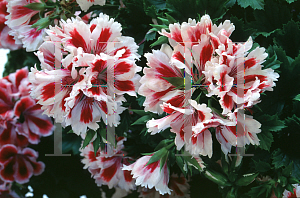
(202, 53)
(98, 67)
(106, 167)
(6, 41)
(21, 124)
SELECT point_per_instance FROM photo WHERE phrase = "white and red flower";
(20, 20)
(295, 194)
(151, 175)
(19, 164)
(98, 68)
(106, 168)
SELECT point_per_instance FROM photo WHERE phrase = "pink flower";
(98, 68)
(19, 164)
(106, 168)
(150, 176)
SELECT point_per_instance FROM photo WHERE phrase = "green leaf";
(165, 21)
(216, 177)
(157, 156)
(180, 163)
(230, 3)
(287, 171)
(290, 1)
(89, 136)
(191, 160)
(159, 27)
(175, 81)
(35, 6)
(163, 160)
(280, 159)
(41, 23)
(289, 38)
(297, 97)
(265, 140)
(247, 179)
(96, 144)
(159, 4)
(257, 191)
(170, 19)
(271, 123)
(241, 32)
(160, 40)
(261, 166)
(278, 191)
(141, 49)
(255, 4)
(163, 143)
(271, 61)
(142, 120)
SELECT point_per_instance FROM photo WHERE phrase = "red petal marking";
(176, 35)
(7, 173)
(103, 106)
(219, 130)
(205, 54)
(48, 91)
(122, 67)
(168, 110)
(22, 141)
(223, 85)
(234, 49)
(176, 101)
(250, 63)
(182, 133)
(91, 156)
(201, 115)
(232, 129)
(102, 40)
(227, 101)
(49, 58)
(44, 126)
(6, 152)
(215, 42)
(109, 172)
(126, 54)
(33, 138)
(20, 11)
(165, 71)
(92, 27)
(77, 40)
(22, 105)
(22, 173)
(20, 75)
(126, 85)
(225, 60)
(38, 167)
(251, 78)
(178, 56)
(194, 139)
(86, 115)
(95, 89)
(99, 65)
(5, 136)
(153, 166)
(294, 195)
(127, 176)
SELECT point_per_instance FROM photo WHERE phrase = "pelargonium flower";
(233, 63)
(20, 20)
(178, 185)
(19, 164)
(21, 119)
(106, 168)
(150, 176)
(98, 68)
(86, 4)
(6, 41)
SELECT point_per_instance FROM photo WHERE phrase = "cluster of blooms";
(204, 52)
(98, 67)
(21, 124)
(114, 170)
(20, 20)
(6, 41)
